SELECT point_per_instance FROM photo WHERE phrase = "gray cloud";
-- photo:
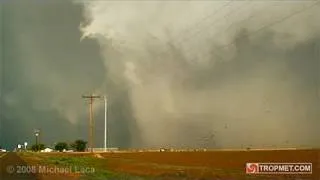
(47, 70)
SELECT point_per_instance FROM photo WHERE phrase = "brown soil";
(201, 165)
(212, 164)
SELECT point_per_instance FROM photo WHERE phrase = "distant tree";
(38, 147)
(79, 145)
(60, 146)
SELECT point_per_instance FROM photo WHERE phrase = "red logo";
(252, 168)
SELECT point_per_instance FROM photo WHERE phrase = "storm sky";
(213, 74)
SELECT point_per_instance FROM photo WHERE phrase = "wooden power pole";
(91, 121)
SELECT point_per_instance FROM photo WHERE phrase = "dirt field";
(219, 164)
(223, 165)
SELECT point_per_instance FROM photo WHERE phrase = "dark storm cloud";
(47, 69)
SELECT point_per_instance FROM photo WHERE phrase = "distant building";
(47, 150)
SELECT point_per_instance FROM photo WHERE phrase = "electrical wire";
(275, 22)
(287, 17)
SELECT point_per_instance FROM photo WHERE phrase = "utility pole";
(105, 124)
(91, 122)
(37, 134)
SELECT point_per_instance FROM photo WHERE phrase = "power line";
(211, 24)
(274, 23)
(196, 25)
(260, 29)
(236, 23)
(205, 18)
(227, 29)
(217, 20)
(264, 27)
